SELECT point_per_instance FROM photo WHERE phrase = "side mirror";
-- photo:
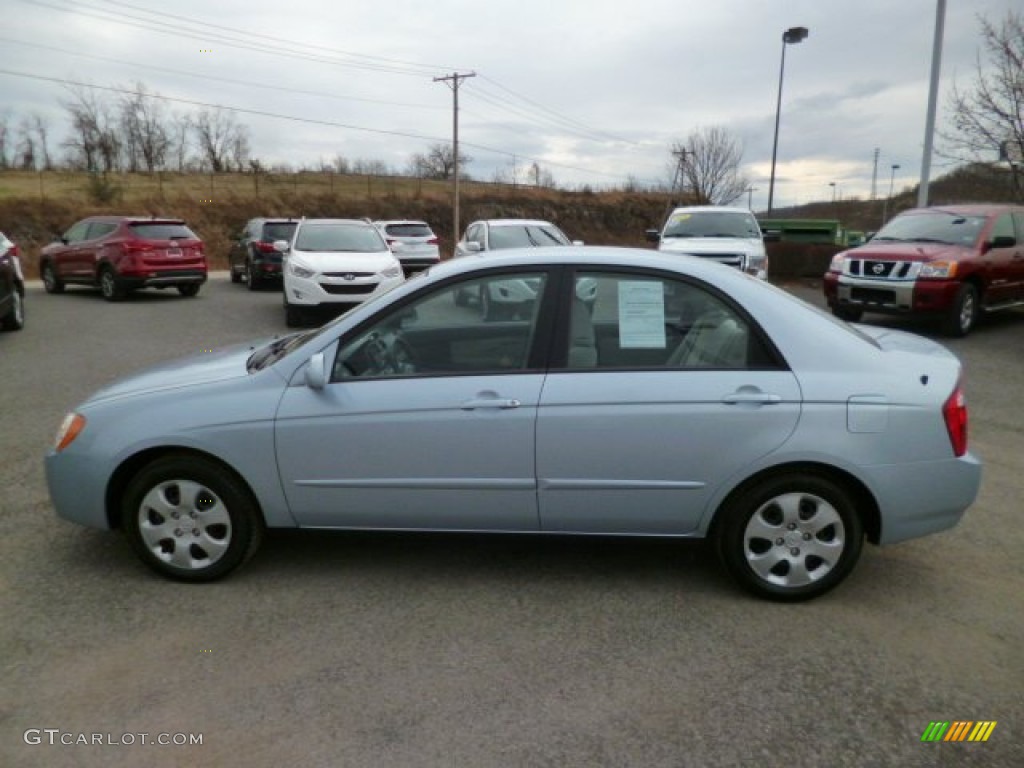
(652, 235)
(771, 235)
(473, 247)
(577, 242)
(316, 372)
(281, 246)
(1003, 241)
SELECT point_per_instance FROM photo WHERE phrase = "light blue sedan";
(639, 394)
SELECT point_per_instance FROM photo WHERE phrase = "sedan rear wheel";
(189, 519)
(791, 537)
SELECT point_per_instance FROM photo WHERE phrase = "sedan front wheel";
(791, 537)
(190, 519)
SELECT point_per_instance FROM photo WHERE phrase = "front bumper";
(888, 295)
(321, 289)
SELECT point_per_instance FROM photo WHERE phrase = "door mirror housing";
(652, 235)
(316, 372)
(281, 246)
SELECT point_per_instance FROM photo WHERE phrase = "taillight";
(135, 246)
(954, 411)
(264, 247)
(432, 241)
(13, 250)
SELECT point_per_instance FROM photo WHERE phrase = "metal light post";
(833, 185)
(750, 197)
(792, 35)
(885, 206)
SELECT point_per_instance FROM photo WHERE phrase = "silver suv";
(412, 241)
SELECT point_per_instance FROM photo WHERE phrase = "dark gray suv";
(252, 258)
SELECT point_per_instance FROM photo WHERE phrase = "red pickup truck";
(952, 262)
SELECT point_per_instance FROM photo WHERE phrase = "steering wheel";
(403, 359)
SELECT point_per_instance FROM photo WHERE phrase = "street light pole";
(792, 35)
(833, 185)
(885, 206)
(750, 197)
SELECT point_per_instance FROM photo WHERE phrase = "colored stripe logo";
(958, 730)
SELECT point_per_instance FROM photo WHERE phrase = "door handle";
(751, 398)
(490, 402)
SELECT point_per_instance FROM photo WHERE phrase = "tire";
(189, 289)
(14, 320)
(292, 315)
(849, 314)
(251, 280)
(791, 537)
(963, 313)
(51, 282)
(189, 519)
(109, 287)
(236, 276)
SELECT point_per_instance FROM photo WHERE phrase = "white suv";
(335, 263)
(728, 235)
(413, 242)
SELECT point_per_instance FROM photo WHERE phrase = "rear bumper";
(157, 278)
(924, 498)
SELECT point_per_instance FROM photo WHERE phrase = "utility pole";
(678, 178)
(874, 175)
(453, 81)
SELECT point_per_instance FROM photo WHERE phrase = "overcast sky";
(595, 91)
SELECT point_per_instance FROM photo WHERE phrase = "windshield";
(933, 227)
(712, 224)
(526, 236)
(350, 238)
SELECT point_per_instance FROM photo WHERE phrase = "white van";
(731, 236)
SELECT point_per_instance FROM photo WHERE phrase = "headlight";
(394, 271)
(298, 270)
(70, 428)
(838, 262)
(938, 269)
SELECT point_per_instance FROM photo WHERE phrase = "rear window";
(150, 230)
(351, 238)
(409, 230)
(282, 230)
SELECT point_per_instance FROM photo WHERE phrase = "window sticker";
(641, 315)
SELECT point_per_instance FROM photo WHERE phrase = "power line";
(206, 76)
(313, 121)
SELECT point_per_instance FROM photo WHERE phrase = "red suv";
(951, 262)
(121, 254)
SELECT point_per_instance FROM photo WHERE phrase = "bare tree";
(989, 114)
(220, 138)
(5, 138)
(181, 128)
(438, 163)
(710, 165)
(540, 177)
(146, 138)
(42, 132)
(94, 143)
(25, 151)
